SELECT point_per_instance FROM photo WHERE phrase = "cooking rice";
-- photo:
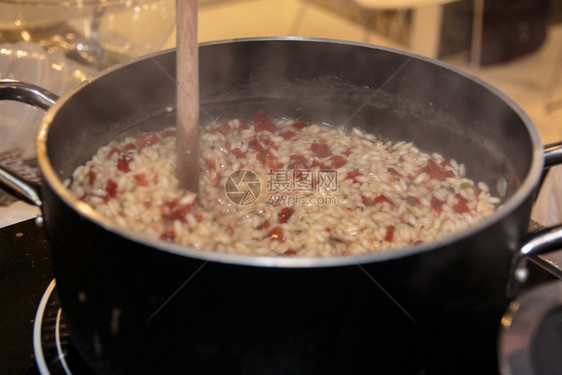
(284, 188)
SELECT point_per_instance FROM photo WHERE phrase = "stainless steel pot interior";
(386, 92)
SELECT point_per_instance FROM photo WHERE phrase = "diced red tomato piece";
(353, 176)
(114, 150)
(264, 225)
(263, 123)
(433, 169)
(171, 204)
(320, 150)
(381, 198)
(366, 200)
(224, 129)
(123, 163)
(260, 116)
(210, 164)
(140, 179)
(297, 161)
(290, 252)
(437, 204)
(229, 229)
(287, 134)
(461, 206)
(178, 211)
(169, 133)
(128, 146)
(412, 201)
(111, 188)
(436, 171)
(460, 198)
(168, 236)
(447, 173)
(267, 157)
(277, 234)
(299, 125)
(389, 233)
(255, 145)
(269, 126)
(338, 161)
(238, 153)
(216, 178)
(285, 214)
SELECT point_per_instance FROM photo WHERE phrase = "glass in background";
(58, 44)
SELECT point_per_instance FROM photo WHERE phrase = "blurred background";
(515, 45)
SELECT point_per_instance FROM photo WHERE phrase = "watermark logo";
(301, 180)
(286, 186)
(294, 199)
(243, 187)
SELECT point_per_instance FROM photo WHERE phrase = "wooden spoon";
(187, 95)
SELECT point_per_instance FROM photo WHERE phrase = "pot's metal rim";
(525, 190)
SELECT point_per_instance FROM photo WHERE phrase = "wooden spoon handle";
(187, 95)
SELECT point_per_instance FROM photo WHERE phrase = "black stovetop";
(26, 273)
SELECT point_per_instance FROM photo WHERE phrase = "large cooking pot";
(138, 305)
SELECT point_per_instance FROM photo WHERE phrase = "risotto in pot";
(283, 188)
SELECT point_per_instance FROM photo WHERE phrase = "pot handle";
(27, 93)
(552, 154)
(542, 241)
(38, 97)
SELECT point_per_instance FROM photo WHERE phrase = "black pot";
(138, 305)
